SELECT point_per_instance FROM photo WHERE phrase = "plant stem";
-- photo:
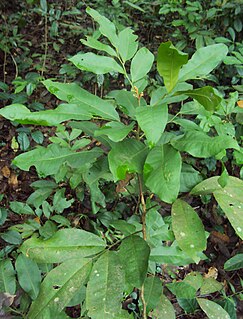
(144, 211)
(46, 46)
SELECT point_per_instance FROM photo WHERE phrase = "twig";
(46, 45)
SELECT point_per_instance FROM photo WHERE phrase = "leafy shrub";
(144, 146)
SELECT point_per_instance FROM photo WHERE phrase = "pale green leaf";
(29, 275)
(127, 156)
(74, 94)
(152, 291)
(7, 277)
(107, 28)
(127, 44)
(229, 198)
(189, 178)
(49, 160)
(210, 285)
(170, 255)
(116, 131)
(234, 263)
(188, 229)
(182, 290)
(169, 63)
(194, 279)
(164, 310)
(126, 101)
(59, 287)
(212, 309)
(95, 63)
(141, 64)
(64, 244)
(203, 61)
(206, 96)
(64, 112)
(199, 144)
(134, 254)
(152, 120)
(104, 292)
(95, 44)
(162, 172)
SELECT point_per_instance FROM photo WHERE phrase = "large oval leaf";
(65, 244)
(7, 277)
(212, 309)
(141, 64)
(97, 64)
(162, 172)
(64, 112)
(169, 62)
(134, 254)
(105, 288)
(188, 229)
(127, 156)
(49, 160)
(29, 275)
(199, 144)
(230, 198)
(73, 93)
(203, 61)
(164, 310)
(152, 120)
(234, 263)
(59, 287)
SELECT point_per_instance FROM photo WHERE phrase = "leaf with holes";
(229, 198)
(59, 287)
(65, 244)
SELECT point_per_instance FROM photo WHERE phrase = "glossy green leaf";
(95, 44)
(169, 63)
(170, 255)
(141, 64)
(116, 131)
(74, 94)
(229, 198)
(203, 61)
(152, 291)
(199, 144)
(104, 292)
(107, 28)
(134, 254)
(65, 244)
(234, 263)
(162, 172)
(212, 309)
(206, 96)
(189, 178)
(127, 44)
(127, 156)
(64, 112)
(210, 285)
(59, 287)
(7, 277)
(182, 290)
(49, 160)
(29, 275)
(188, 229)
(21, 208)
(97, 64)
(194, 279)
(164, 309)
(126, 101)
(152, 120)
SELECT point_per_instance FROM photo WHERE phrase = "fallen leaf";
(212, 273)
(240, 103)
(13, 180)
(6, 171)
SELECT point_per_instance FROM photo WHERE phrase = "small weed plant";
(136, 153)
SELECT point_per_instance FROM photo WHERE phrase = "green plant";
(145, 149)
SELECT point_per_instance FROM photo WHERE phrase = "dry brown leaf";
(6, 171)
(212, 273)
(13, 180)
(240, 104)
(122, 184)
(217, 236)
